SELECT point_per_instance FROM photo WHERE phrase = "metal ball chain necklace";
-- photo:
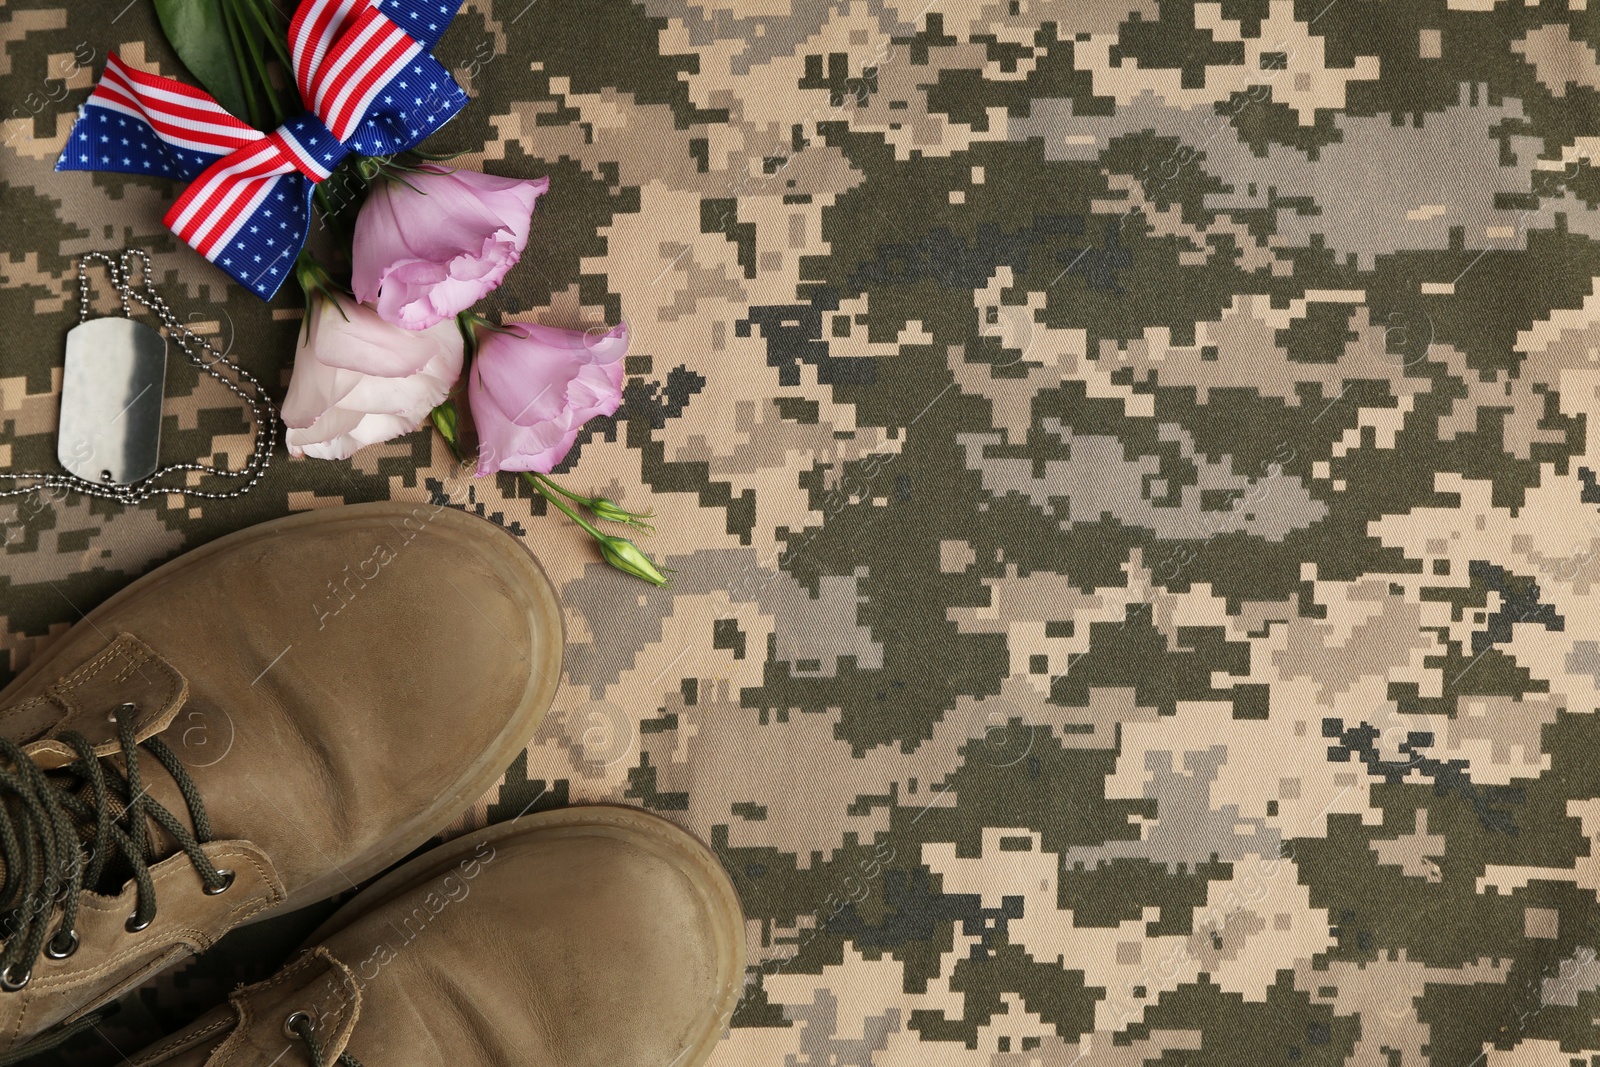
(109, 437)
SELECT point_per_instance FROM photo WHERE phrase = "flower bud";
(445, 421)
(624, 555)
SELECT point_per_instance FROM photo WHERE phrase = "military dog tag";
(116, 370)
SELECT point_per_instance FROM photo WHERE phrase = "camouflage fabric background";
(1126, 466)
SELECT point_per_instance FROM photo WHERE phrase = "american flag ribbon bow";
(364, 70)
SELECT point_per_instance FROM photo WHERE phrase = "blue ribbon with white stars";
(371, 87)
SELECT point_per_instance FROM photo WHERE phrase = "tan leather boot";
(259, 724)
(587, 936)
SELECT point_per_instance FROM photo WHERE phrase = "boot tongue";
(159, 788)
(126, 679)
(116, 872)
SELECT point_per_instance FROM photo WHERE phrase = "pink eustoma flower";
(532, 390)
(359, 380)
(435, 243)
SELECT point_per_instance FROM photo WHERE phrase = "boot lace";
(84, 826)
(300, 1025)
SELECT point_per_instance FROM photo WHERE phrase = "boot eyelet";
(227, 883)
(128, 708)
(10, 984)
(64, 944)
(133, 925)
(295, 1019)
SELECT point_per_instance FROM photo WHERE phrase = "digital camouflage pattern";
(1126, 470)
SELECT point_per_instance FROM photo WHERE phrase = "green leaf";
(198, 34)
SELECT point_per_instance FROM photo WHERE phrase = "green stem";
(258, 57)
(585, 501)
(341, 232)
(313, 275)
(472, 318)
(314, 278)
(274, 35)
(377, 168)
(601, 508)
(234, 32)
(573, 515)
(465, 321)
